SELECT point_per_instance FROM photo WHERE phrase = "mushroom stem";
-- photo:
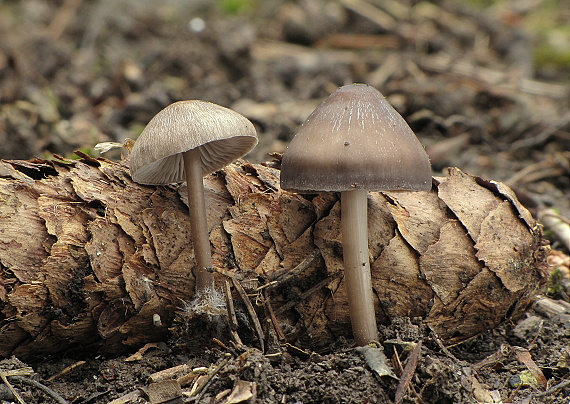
(197, 207)
(354, 228)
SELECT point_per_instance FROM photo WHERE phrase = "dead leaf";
(524, 356)
(376, 360)
(167, 391)
(482, 395)
(242, 391)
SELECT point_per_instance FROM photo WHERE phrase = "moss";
(555, 284)
(235, 7)
(547, 55)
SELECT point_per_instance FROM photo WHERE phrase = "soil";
(485, 87)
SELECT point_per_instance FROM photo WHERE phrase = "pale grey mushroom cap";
(355, 140)
(221, 134)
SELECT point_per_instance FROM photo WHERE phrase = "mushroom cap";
(222, 135)
(355, 140)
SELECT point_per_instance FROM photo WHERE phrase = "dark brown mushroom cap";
(355, 140)
(222, 135)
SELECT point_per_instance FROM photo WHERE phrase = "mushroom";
(186, 141)
(355, 142)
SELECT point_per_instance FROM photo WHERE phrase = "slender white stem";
(199, 230)
(358, 281)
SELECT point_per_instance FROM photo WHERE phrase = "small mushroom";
(355, 142)
(186, 141)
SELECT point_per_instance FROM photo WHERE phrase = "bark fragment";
(88, 257)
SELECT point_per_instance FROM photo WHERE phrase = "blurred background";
(485, 84)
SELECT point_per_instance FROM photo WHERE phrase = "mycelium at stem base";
(198, 221)
(354, 228)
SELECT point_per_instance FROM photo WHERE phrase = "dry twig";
(199, 392)
(558, 224)
(62, 18)
(407, 373)
(11, 388)
(67, 370)
(283, 275)
(308, 293)
(273, 317)
(252, 313)
(41, 387)
(553, 389)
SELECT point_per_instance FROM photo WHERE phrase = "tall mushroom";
(355, 142)
(186, 141)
